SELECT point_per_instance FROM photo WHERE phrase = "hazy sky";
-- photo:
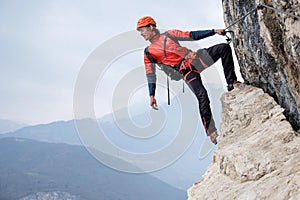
(44, 44)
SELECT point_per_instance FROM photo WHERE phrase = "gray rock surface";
(258, 152)
(267, 46)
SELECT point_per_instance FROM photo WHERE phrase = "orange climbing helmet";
(145, 21)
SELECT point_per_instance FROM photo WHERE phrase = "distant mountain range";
(181, 174)
(55, 132)
(9, 126)
(49, 159)
(29, 167)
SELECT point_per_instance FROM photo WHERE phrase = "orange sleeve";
(151, 76)
(180, 35)
(148, 65)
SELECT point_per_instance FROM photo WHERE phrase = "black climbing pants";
(208, 57)
(193, 79)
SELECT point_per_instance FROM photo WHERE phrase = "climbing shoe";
(213, 137)
(230, 86)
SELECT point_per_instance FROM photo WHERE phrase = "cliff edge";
(258, 152)
(267, 45)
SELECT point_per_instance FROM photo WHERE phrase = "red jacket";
(169, 52)
(174, 52)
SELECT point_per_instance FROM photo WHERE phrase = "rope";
(279, 11)
(258, 7)
(240, 19)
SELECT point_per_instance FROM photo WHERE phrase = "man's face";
(146, 32)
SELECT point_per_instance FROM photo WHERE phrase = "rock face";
(258, 152)
(267, 46)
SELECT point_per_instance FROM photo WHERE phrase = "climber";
(165, 50)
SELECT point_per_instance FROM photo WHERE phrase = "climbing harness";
(260, 7)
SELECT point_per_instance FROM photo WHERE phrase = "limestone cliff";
(258, 152)
(267, 46)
